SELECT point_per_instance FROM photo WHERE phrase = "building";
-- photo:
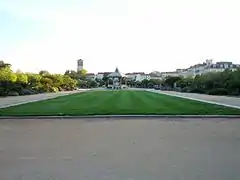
(90, 76)
(203, 68)
(100, 75)
(138, 76)
(155, 75)
(79, 65)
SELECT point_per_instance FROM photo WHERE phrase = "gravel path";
(230, 101)
(15, 100)
(120, 149)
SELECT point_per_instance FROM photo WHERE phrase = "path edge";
(126, 116)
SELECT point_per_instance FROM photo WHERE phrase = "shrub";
(16, 88)
(184, 90)
(27, 92)
(234, 93)
(54, 89)
(197, 90)
(12, 93)
(2, 92)
(218, 91)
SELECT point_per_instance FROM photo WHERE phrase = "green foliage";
(27, 92)
(218, 91)
(73, 74)
(197, 90)
(4, 65)
(221, 83)
(29, 83)
(12, 93)
(92, 84)
(170, 81)
(7, 75)
(43, 73)
(22, 78)
(82, 74)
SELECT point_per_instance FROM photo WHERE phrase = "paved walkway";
(15, 100)
(120, 149)
(221, 100)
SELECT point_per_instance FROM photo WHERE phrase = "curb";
(127, 117)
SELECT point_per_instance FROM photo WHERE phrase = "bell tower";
(79, 65)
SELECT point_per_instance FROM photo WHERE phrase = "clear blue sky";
(135, 35)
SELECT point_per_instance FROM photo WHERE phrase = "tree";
(69, 84)
(156, 81)
(4, 65)
(43, 72)
(7, 75)
(33, 80)
(144, 83)
(170, 81)
(91, 84)
(7, 79)
(100, 82)
(22, 78)
(82, 74)
(73, 74)
(184, 82)
(20, 83)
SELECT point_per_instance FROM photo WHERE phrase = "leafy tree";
(170, 81)
(100, 82)
(82, 74)
(33, 80)
(144, 83)
(7, 75)
(22, 78)
(43, 72)
(105, 77)
(4, 65)
(91, 84)
(73, 74)
(7, 79)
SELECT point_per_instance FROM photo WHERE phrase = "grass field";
(118, 103)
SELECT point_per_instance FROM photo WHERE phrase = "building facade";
(203, 68)
(91, 76)
(138, 76)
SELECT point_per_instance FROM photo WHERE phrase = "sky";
(133, 35)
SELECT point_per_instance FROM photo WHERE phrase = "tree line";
(19, 83)
(214, 83)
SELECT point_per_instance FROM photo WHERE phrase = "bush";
(41, 90)
(218, 91)
(12, 93)
(184, 90)
(27, 92)
(54, 89)
(2, 92)
(234, 93)
(16, 88)
(197, 90)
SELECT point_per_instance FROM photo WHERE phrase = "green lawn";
(118, 103)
